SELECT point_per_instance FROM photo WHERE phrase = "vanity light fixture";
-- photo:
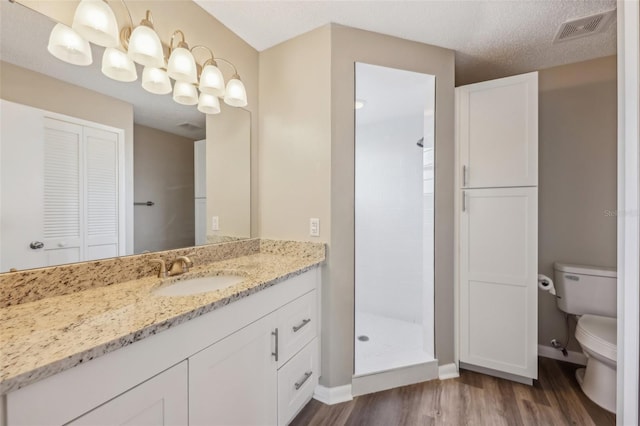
(144, 46)
(69, 46)
(95, 21)
(182, 65)
(156, 80)
(118, 66)
(185, 93)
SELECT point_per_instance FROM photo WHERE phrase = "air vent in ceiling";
(192, 127)
(583, 27)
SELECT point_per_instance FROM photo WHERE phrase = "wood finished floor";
(471, 399)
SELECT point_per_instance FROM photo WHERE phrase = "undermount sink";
(191, 286)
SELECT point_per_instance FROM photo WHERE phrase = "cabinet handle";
(297, 328)
(464, 201)
(36, 245)
(275, 354)
(464, 175)
(299, 384)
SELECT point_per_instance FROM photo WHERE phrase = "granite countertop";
(41, 338)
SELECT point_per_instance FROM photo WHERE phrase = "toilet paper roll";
(546, 284)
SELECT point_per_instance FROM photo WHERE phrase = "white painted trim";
(553, 353)
(448, 371)
(628, 212)
(331, 396)
(394, 378)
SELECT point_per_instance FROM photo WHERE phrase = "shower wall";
(390, 218)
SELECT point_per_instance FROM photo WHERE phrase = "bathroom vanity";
(122, 354)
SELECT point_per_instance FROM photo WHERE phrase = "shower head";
(420, 143)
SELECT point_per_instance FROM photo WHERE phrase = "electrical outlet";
(314, 227)
(215, 223)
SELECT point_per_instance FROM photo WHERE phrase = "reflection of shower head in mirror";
(420, 143)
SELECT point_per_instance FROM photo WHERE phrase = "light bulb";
(182, 66)
(145, 47)
(156, 80)
(185, 93)
(118, 66)
(96, 22)
(235, 94)
(208, 104)
(212, 81)
(69, 46)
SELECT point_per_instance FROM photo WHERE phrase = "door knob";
(35, 245)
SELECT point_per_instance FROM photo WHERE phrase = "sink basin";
(192, 286)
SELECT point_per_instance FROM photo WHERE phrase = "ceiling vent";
(192, 127)
(583, 27)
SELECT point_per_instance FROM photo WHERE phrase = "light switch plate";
(215, 223)
(314, 227)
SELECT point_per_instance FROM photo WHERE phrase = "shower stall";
(394, 219)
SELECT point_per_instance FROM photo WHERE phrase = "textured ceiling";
(491, 38)
(24, 36)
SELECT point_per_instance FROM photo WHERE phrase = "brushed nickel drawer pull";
(275, 354)
(299, 384)
(296, 328)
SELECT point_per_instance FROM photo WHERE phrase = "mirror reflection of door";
(61, 189)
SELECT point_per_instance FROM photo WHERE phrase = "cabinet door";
(161, 400)
(498, 279)
(234, 382)
(497, 127)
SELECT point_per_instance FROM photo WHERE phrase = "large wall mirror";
(94, 168)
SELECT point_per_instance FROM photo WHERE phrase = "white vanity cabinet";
(233, 382)
(252, 362)
(161, 400)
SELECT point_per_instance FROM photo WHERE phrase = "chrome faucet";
(162, 273)
(180, 265)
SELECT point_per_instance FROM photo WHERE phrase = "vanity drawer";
(297, 380)
(297, 326)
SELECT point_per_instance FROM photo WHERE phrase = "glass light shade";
(212, 81)
(94, 20)
(185, 93)
(208, 104)
(236, 94)
(145, 47)
(69, 46)
(118, 66)
(156, 81)
(182, 66)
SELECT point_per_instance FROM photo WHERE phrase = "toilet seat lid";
(598, 334)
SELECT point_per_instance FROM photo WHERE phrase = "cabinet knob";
(36, 245)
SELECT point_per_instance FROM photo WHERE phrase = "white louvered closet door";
(63, 192)
(101, 232)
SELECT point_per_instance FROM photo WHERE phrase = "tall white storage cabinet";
(497, 141)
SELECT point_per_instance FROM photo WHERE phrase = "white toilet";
(590, 293)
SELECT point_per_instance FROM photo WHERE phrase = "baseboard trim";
(331, 396)
(448, 371)
(553, 353)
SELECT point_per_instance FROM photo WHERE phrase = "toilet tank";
(586, 289)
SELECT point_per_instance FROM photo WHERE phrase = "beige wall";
(199, 28)
(295, 137)
(577, 184)
(40, 91)
(163, 173)
(307, 166)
